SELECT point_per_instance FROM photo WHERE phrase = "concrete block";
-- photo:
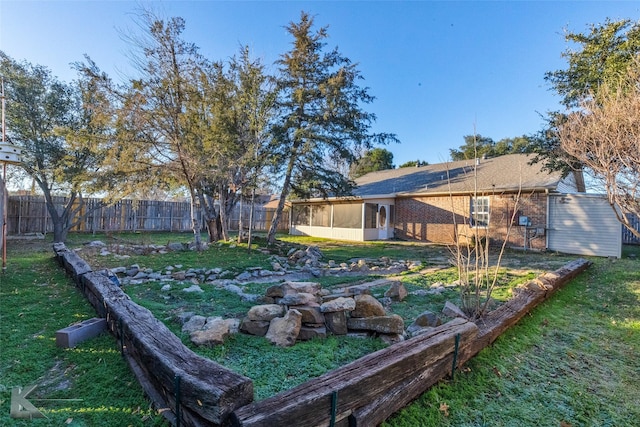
(73, 335)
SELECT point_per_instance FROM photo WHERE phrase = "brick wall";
(431, 219)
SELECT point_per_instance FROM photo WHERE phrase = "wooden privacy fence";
(628, 238)
(28, 214)
(199, 392)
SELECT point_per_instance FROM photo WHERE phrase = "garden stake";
(121, 331)
(176, 390)
(334, 405)
(455, 356)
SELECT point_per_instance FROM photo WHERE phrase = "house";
(505, 197)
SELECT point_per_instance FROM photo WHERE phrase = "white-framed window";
(479, 212)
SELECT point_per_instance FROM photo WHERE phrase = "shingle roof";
(504, 173)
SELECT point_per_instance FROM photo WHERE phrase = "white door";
(385, 226)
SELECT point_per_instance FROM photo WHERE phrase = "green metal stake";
(455, 356)
(176, 389)
(334, 408)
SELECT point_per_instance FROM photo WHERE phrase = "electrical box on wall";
(524, 221)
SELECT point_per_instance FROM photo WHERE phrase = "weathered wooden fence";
(628, 238)
(365, 392)
(28, 214)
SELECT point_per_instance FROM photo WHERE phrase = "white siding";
(584, 225)
(567, 184)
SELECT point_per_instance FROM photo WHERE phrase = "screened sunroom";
(344, 219)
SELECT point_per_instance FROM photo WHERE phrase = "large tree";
(604, 136)
(376, 159)
(595, 58)
(600, 55)
(53, 122)
(321, 117)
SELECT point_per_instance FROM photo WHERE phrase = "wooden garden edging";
(372, 388)
(198, 390)
(363, 393)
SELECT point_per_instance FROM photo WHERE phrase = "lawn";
(575, 356)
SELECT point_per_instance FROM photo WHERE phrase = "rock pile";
(299, 311)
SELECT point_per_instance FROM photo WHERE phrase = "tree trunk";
(195, 224)
(286, 186)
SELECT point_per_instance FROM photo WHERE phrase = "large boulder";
(338, 304)
(265, 312)
(215, 330)
(194, 323)
(308, 333)
(336, 322)
(396, 292)
(452, 310)
(382, 324)
(300, 298)
(254, 327)
(311, 314)
(305, 287)
(283, 331)
(367, 306)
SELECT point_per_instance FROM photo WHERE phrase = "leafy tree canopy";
(598, 58)
(603, 53)
(413, 164)
(376, 159)
(479, 146)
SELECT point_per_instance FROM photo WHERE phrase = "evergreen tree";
(320, 117)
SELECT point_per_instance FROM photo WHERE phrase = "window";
(370, 212)
(347, 216)
(479, 211)
(300, 215)
(321, 215)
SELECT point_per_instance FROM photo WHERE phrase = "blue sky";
(438, 70)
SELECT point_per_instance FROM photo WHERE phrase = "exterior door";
(385, 223)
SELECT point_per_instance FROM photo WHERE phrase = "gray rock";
(184, 317)
(195, 323)
(193, 288)
(175, 246)
(301, 298)
(382, 324)
(308, 333)
(391, 339)
(254, 327)
(452, 310)
(245, 275)
(396, 292)
(336, 322)
(428, 318)
(166, 288)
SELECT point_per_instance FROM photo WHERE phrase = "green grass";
(36, 300)
(574, 359)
